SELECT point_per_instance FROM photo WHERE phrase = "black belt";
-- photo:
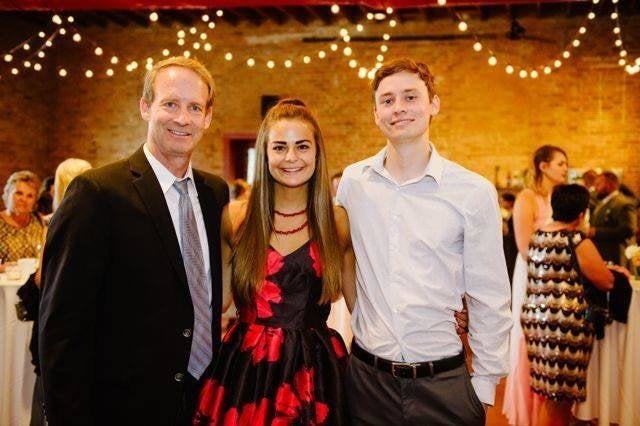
(407, 370)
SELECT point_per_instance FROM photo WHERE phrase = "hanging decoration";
(31, 53)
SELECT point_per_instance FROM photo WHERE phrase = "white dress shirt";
(172, 197)
(420, 246)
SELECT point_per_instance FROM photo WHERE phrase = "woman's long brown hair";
(252, 239)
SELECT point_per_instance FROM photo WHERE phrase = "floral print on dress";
(279, 364)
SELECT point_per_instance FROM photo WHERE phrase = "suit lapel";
(146, 183)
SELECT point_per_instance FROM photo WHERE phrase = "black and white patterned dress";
(559, 338)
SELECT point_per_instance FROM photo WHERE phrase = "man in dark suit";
(614, 219)
(130, 312)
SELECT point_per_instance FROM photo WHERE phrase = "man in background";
(614, 219)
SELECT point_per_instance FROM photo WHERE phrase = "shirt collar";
(165, 177)
(433, 169)
(606, 199)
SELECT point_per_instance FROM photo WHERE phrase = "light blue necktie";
(201, 350)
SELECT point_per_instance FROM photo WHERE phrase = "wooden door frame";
(227, 140)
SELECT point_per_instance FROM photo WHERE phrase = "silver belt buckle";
(403, 365)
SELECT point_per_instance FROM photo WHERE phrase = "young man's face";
(402, 107)
(178, 115)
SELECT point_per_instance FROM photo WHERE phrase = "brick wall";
(489, 120)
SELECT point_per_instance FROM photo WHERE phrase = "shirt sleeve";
(488, 292)
(341, 195)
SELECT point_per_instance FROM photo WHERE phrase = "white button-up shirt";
(172, 197)
(420, 246)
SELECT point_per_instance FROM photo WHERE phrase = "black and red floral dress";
(280, 364)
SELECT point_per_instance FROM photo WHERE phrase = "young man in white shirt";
(425, 232)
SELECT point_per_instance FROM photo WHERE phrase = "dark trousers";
(377, 398)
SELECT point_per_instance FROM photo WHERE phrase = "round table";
(613, 382)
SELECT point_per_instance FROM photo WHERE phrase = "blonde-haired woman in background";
(65, 173)
(531, 211)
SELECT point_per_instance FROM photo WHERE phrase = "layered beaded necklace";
(294, 230)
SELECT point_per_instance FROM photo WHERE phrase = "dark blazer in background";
(615, 222)
(116, 313)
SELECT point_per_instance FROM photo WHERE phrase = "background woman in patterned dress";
(531, 210)
(558, 334)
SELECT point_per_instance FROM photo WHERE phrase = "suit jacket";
(615, 222)
(116, 313)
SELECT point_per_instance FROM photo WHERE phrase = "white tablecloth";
(613, 381)
(16, 372)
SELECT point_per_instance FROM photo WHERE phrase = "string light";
(631, 68)
(347, 51)
(335, 9)
(524, 70)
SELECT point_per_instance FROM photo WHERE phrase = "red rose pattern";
(304, 384)
(314, 253)
(338, 347)
(269, 293)
(287, 403)
(211, 396)
(274, 262)
(265, 342)
(322, 412)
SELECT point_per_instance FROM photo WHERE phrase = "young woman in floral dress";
(280, 364)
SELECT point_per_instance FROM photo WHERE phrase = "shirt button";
(397, 309)
(186, 332)
(178, 377)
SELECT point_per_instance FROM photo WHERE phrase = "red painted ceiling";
(212, 4)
